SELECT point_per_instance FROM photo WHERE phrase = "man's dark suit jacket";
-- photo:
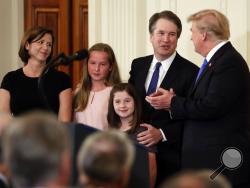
(216, 114)
(180, 76)
(3, 183)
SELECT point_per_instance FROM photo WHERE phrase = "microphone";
(61, 59)
(79, 55)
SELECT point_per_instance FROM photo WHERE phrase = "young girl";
(124, 113)
(19, 91)
(92, 95)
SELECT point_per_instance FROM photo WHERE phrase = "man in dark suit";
(216, 107)
(175, 72)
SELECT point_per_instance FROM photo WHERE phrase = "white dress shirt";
(165, 64)
(163, 71)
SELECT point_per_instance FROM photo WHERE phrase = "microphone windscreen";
(82, 54)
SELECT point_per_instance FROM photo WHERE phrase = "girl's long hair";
(82, 96)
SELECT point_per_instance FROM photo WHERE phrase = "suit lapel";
(144, 72)
(211, 63)
(171, 73)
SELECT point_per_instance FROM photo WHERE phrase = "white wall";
(11, 19)
(115, 22)
(124, 25)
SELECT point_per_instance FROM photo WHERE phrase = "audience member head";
(101, 67)
(36, 149)
(124, 93)
(196, 179)
(34, 34)
(105, 159)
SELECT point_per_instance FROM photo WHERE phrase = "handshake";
(161, 99)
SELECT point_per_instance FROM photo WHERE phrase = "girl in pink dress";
(100, 73)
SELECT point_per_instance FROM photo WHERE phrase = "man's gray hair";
(196, 179)
(33, 145)
(104, 156)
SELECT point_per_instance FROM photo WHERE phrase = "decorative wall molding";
(120, 26)
(223, 6)
(11, 19)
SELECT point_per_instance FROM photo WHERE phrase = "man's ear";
(204, 36)
(125, 177)
(150, 37)
(65, 169)
(82, 179)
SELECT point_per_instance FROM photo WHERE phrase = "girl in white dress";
(100, 73)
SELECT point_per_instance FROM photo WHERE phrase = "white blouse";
(95, 113)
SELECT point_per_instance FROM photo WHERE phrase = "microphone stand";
(51, 64)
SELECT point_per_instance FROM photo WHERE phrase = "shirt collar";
(214, 50)
(165, 63)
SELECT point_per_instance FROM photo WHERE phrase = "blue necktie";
(154, 80)
(201, 69)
